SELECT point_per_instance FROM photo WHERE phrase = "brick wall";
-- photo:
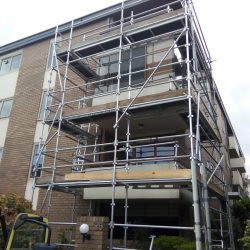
(15, 163)
(98, 231)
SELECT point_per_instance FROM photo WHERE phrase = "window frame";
(32, 163)
(50, 54)
(154, 151)
(43, 108)
(2, 105)
(10, 69)
(112, 61)
(1, 153)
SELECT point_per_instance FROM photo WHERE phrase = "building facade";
(115, 120)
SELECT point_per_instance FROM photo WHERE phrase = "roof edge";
(81, 21)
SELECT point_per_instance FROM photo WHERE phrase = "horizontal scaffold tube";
(154, 226)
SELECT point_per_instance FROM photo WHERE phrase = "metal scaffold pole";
(42, 140)
(229, 217)
(197, 222)
(206, 205)
(126, 215)
(60, 118)
(123, 96)
(116, 128)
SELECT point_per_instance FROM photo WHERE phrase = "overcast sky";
(225, 23)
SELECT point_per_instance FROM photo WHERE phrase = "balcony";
(237, 187)
(238, 164)
(234, 151)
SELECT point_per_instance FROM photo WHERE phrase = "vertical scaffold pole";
(60, 118)
(229, 217)
(116, 129)
(41, 138)
(197, 223)
(126, 216)
(206, 205)
(127, 151)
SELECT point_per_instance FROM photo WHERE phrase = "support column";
(98, 232)
(197, 222)
(206, 205)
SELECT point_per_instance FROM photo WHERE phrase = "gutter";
(79, 22)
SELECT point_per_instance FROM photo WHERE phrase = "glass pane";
(6, 108)
(138, 63)
(114, 57)
(44, 105)
(15, 62)
(103, 67)
(138, 59)
(36, 160)
(1, 153)
(104, 60)
(144, 152)
(51, 57)
(5, 65)
(113, 67)
(125, 62)
(165, 151)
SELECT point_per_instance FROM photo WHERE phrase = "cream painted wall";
(237, 178)
(150, 90)
(8, 84)
(106, 193)
(38, 133)
(143, 193)
(47, 78)
(7, 90)
(29, 191)
(3, 130)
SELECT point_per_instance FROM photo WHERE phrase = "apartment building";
(114, 120)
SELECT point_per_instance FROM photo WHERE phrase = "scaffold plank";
(124, 175)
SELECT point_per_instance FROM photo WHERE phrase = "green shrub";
(246, 239)
(12, 204)
(174, 243)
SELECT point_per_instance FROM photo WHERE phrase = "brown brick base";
(98, 230)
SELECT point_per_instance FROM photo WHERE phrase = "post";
(197, 222)
(206, 205)
(116, 130)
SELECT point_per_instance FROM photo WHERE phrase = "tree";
(241, 213)
(246, 239)
(12, 204)
(241, 210)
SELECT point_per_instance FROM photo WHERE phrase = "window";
(36, 161)
(51, 57)
(1, 153)
(137, 58)
(108, 67)
(5, 108)
(44, 106)
(10, 64)
(152, 152)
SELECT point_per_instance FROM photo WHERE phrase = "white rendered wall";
(3, 130)
(40, 132)
(7, 90)
(8, 85)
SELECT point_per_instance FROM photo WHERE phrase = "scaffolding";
(113, 80)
